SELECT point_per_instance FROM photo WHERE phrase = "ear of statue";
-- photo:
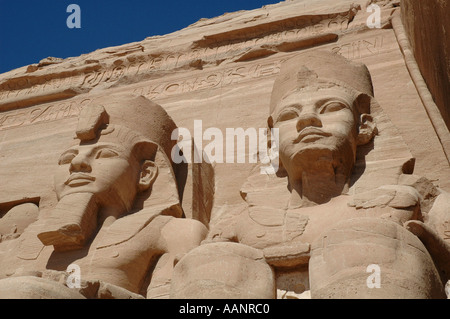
(367, 129)
(363, 103)
(149, 172)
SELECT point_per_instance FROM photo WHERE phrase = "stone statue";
(330, 217)
(118, 213)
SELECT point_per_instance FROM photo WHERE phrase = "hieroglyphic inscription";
(153, 62)
(209, 80)
(157, 89)
(360, 48)
(285, 30)
(38, 90)
(29, 85)
(40, 114)
(351, 50)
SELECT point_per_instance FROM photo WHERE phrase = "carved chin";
(311, 157)
(323, 157)
(302, 153)
(75, 187)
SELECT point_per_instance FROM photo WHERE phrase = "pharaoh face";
(106, 168)
(314, 125)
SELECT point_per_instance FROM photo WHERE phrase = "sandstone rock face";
(293, 151)
(430, 43)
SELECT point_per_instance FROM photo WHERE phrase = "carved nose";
(80, 163)
(309, 119)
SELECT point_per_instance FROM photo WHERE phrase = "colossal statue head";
(110, 163)
(113, 157)
(321, 105)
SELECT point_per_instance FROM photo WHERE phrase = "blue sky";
(31, 30)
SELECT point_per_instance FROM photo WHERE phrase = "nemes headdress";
(320, 68)
(130, 118)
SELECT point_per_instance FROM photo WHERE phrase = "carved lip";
(313, 133)
(78, 179)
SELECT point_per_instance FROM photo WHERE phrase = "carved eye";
(106, 153)
(332, 107)
(67, 157)
(287, 115)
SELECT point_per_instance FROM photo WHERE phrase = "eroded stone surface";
(89, 179)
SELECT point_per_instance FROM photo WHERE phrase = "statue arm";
(178, 236)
